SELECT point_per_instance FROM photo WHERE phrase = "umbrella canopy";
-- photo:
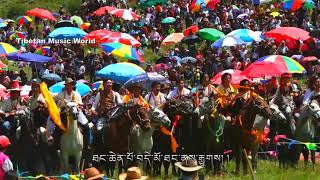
(44, 50)
(210, 34)
(246, 35)
(120, 72)
(275, 14)
(29, 57)
(77, 19)
(51, 76)
(273, 65)
(258, 2)
(81, 88)
(168, 20)
(16, 35)
(196, 5)
(122, 51)
(188, 59)
(103, 10)
(160, 67)
(97, 34)
(23, 19)
(227, 42)
(64, 23)
(309, 59)
(125, 14)
(293, 5)
(191, 30)
(284, 33)
(3, 67)
(67, 33)
(41, 13)
(6, 49)
(237, 77)
(173, 38)
(3, 24)
(97, 85)
(118, 37)
(190, 39)
(148, 78)
(212, 4)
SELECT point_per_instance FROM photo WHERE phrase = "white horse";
(71, 140)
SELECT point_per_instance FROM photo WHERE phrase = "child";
(5, 163)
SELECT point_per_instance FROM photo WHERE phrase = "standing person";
(179, 91)
(5, 163)
(189, 168)
(155, 98)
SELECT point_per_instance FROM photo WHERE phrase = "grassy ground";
(267, 170)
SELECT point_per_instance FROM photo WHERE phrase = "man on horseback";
(10, 106)
(36, 100)
(155, 98)
(105, 102)
(134, 97)
(179, 92)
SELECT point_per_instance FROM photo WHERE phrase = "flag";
(311, 146)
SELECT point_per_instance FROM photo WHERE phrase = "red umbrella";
(123, 38)
(125, 14)
(192, 29)
(97, 34)
(103, 10)
(41, 13)
(212, 4)
(236, 76)
(309, 59)
(284, 33)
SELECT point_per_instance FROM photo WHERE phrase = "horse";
(307, 130)
(141, 141)
(243, 133)
(71, 142)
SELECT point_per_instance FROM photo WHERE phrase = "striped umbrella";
(44, 50)
(23, 19)
(122, 51)
(16, 35)
(125, 14)
(103, 10)
(6, 49)
(123, 38)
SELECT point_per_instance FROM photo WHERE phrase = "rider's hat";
(14, 86)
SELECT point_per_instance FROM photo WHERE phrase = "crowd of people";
(75, 62)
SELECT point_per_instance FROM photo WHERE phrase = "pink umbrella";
(118, 37)
(160, 66)
(236, 76)
(101, 11)
(125, 14)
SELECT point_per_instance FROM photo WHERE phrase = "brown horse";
(116, 131)
(244, 136)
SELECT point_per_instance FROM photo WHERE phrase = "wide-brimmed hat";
(188, 165)
(14, 86)
(133, 173)
(92, 173)
(69, 81)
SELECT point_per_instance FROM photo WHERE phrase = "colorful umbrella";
(3, 24)
(23, 19)
(275, 14)
(103, 10)
(97, 34)
(41, 13)
(67, 33)
(228, 42)
(173, 38)
(3, 67)
(309, 4)
(212, 4)
(191, 30)
(168, 20)
(44, 50)
(123, 38)
(161, 66)
(85, 26)
(147, 79)
(81, 88)
(6, 49)
(122, 51)
(210, 34)
(120, 72)
(77, 19)
(125, 14)
(51, 77)
(196, 5)
(246, 35)
(29, 57)
(97, 85)
(17, 35)
(273, 65)
(293, 5)
(236, 76)
(284, 33)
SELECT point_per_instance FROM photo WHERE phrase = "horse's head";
(314, 109)
(277, 114)
(287, 106)
(70, 108)
(139, 115)
(262, 107)
(159, 117)
(184, 106)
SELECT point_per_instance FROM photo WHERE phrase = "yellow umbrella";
(172, 39)
(275, 14)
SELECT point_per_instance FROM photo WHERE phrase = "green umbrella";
(210, 34)
(168, 20)
(78, 20)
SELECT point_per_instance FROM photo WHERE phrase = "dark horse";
(243, 133)
(117, 130)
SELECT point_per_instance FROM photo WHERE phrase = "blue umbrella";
(81, 88)
(149, 78)
(228, 42)
(246, 35)
(3, 25)
(29, 57)
(51, 76)
(69, 33)
(120, 72)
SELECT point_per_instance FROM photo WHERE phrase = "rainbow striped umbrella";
(6, 49)
(273, 65)
(196, 5)
(23, 19)
(44, 50)
(16, 35)
(122, 51)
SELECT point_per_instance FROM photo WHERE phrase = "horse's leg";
(254, 154)
(65, 161)
(305, 153)
(78, 156)
(313, 158)
(238, 154)
(244, 162)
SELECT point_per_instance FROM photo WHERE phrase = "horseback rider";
(284, 89)
(205, 89)
(179, 91)
(134, 96)
(155, 98)
(105, 102)
(10, 106)
(36, 99)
